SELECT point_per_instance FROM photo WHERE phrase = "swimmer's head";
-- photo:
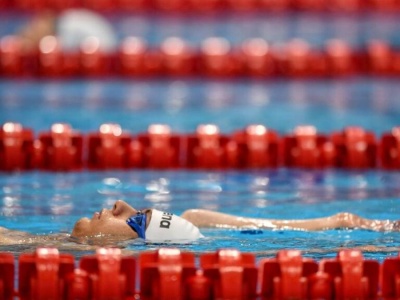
(110, 222)
(124, 222)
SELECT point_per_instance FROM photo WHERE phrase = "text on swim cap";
(165, 220)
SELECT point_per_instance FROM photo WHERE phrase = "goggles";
(138, 224)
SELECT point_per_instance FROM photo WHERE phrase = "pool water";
(329, 105)
(45, 203)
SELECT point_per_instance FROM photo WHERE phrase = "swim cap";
(167, 227)
(76, 26)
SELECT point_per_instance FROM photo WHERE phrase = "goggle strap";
(138, 224)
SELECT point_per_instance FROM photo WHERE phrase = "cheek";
(82, 228)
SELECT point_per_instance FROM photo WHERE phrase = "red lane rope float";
(63, 149)
(215, 58)
(207, 5)
(169, 273)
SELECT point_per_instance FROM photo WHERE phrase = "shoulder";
(8, 237)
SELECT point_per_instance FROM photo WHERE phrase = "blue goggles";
(138, 224)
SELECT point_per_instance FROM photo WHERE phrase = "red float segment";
(354, 148)
(384, 5)
(170, 5)
(179, 6)
(30, 4)
(306, 148)
(313, 5)
(109, 148)
(178, 57)
(207, 6)
(346, 5)
(298, 59)
(60, 5)
(18, 150)
(208, 149)
(390, 278)
(10, 60)
(380, 56)
(135, 58)
(131, 54)
(217, 59)
(156, 149)
(242, 5)
(257, 147)
(389, 152)
(61, 149)
(353, 276)
(100, 5)
(42, 275)
(164, 273)
(198, 287)
(11, 56)
(320, 286)
(7, 266)
(77, 285)
(94, 61)
(111, 275)
(172, 274)
(232, 274)
(133, 5)
(257, 58)
(50, 57)
(53, 61)
(290, 276)
(341, 59)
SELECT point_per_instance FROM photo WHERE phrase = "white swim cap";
(75, 26)
(167, 227)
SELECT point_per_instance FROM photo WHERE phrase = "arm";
(16, 237)
(9, 237)
(61, 241)
(207, 218)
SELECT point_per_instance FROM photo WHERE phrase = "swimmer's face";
(107, 222)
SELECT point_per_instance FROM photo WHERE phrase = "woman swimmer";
(74, 28)
(123, 222)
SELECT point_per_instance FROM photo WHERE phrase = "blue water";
(46, 203)
(282, 105)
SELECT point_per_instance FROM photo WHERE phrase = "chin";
(80, 228)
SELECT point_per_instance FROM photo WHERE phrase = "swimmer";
(123, 222)
(72, 27)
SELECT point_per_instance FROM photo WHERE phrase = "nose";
(121, 208)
